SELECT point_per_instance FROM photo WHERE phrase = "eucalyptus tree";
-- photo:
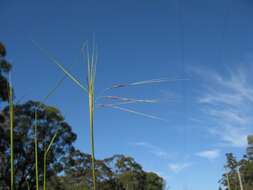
(49, 121)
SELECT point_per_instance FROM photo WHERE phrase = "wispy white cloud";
(228, 100)
(155, 150)
(209, 154)
(178, 167)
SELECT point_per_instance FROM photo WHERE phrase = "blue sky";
(208, 42)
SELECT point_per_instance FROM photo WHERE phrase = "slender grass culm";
(36, 150)
(36, 128)
(90, 90)
(45, 160)
(11, 112)
(91, 64)
(91, 85)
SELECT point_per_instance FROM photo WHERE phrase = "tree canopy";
(49, 121)
(118, 172)
(67, 167)
(5, 67)
(244, 166)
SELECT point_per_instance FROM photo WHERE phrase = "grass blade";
(91, 86)
(36, 126)
(60, 66)
(58, 84)
(45, 160)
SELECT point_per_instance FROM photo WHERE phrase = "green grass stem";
(36, 149)
(45, 160)
(36, 127)
(91, 63)
(11, 112)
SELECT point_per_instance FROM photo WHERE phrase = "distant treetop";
(2, 50)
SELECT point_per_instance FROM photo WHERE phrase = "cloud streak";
(227, 100)
(178, 167)
(155, 150)
(209, 154)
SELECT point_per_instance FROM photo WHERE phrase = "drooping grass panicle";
(143, 82)
(90, 56)
(132, 111)
(123, 100)
(126, 100)
(115, 104)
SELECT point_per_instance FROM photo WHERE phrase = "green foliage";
(250, 139)
(24, 163)
(153, 181)
(115, 173)
(5, 67)
(230, 177)
(66, 167)
(250, 147)
(246, 170)
(118, 172)
(2, 50)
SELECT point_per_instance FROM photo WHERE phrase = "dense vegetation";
(117, 172)
(70, 169)
(67, 167)
(236, 169)
(5, 67)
